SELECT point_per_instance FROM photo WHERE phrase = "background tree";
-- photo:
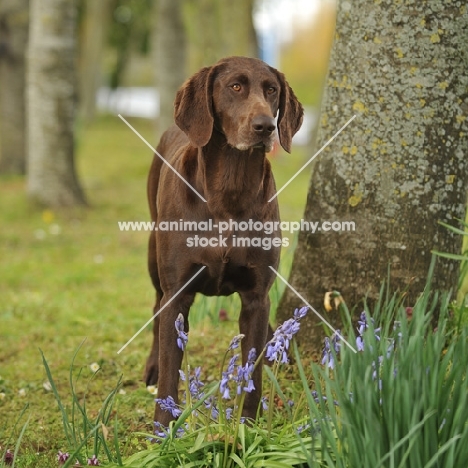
(400, 168)
(191, 34)
(52, 180)
(95, 20)
(215, 29)
(170, 51)
(130, 28)
(13, 42)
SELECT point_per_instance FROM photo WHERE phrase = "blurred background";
(130, 56)
(70, 170)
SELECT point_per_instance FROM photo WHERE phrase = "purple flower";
(195, 384)
(363, 324)
(182, 337)
(327, 356)
(248, 370)
(62, 457)
(235, 342)
(244, 373)
(8, 458)
(168, 404)
(93, 461)
(302, 428)
(227, 377)
(360, 343)
(301, 313)
(160, 430)
(335, 340)
(241, 375)
(210, 404)
(278, 346)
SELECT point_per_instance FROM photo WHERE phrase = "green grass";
(69, 275)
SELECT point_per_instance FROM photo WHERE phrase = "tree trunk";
(13, 43)
(170, 57)
(238, 32)
(216, 29)
(400, 167)
(52, 180)
(95, 23)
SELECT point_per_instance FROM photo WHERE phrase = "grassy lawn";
(72, 275)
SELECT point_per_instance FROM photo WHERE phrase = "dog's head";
(240, 97)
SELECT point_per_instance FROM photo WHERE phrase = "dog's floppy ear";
(193, 110)
(290, 113)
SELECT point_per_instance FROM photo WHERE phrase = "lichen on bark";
(400, 167)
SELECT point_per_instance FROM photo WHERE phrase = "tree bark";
(13, 42)
(96, 18)
(238, 32)
(52, 179)
(400, 167)
(216, 29)
(170, 51)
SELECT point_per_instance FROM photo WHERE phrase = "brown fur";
(225, 123)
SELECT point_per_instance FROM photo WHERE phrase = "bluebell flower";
(62, 457)
(93, 461)
(301, 313)
(168, 404)
(232, 363)
(277, 347)
(302, 428)
(160, 430)
(227, 377)
(245, 373)
(363, 324)
(195, 384)
(327, 356)
(235, 342)
(264, 402)
(360, 343)
(182, 337)
(224, 388)
(335, 341)
(210, 404)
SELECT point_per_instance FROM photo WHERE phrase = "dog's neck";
(233, 180)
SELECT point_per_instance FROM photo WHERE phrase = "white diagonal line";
(313, 310)
(161, 309)
(312, 158)
(162, 159)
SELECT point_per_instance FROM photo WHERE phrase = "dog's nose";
(263, 125)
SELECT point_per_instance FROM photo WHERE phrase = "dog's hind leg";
(152, 364)
(170, 355)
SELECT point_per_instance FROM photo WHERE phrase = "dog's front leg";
(170, 355)
(253, 323)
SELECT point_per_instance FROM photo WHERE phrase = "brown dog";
(225, 116)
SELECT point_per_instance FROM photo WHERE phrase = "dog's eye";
(271, 90)
(236, 87)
